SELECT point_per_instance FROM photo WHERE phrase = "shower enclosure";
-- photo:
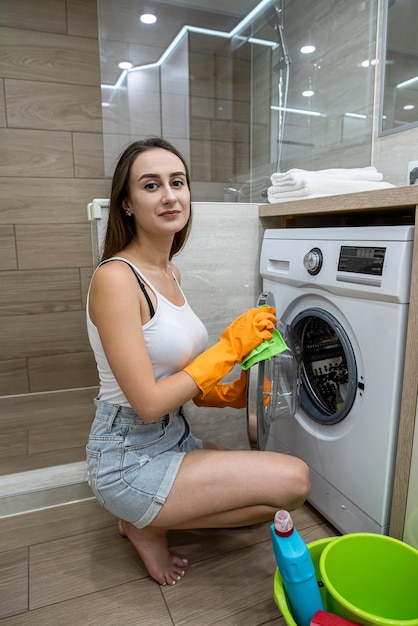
(281, 84)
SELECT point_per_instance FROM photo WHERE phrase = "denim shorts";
(132, 465)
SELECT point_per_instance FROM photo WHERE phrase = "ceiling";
(124, 38)
(230, 7)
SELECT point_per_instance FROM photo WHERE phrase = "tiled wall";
(51, 165)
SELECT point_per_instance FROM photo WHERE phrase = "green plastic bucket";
(315, 549)
(371, 579)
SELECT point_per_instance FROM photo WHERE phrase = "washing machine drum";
(273, 388)
(329, 371)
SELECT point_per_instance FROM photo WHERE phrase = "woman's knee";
(305, 477)
(302, 481)
(298, 482)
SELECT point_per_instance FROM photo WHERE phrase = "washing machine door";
(273, 389)
(329, 372)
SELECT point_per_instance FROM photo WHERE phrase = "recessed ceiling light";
(308, 93)
(125, 65)
(409, 107)
(148, 18)
(308, 49)
(367, 63)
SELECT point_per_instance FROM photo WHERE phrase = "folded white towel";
(290, 185)
(295, 175)
(322, 186)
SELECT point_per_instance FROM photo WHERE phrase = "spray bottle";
(296, 569)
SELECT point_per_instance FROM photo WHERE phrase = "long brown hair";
(121, 228)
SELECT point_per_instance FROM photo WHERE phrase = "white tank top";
(174, 336)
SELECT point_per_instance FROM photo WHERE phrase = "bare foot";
(151, 545)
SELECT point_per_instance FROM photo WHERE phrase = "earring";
(128, 214)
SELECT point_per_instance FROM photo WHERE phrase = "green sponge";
(266, 350)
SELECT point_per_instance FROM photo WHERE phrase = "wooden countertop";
(379, 199)
(394, 205)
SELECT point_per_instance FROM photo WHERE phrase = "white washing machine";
(342, 294)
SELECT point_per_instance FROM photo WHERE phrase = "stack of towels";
(296, 183)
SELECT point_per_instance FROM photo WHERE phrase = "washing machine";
(341, 296)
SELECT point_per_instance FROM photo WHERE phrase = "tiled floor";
(68, 566)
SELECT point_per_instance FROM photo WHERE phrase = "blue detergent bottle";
(296, 569)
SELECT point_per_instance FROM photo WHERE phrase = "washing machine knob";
(313, 261)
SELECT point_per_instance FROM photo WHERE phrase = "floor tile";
(232, 589)
(13, 582)
(81, 564)
(137, 603)
(198, 545)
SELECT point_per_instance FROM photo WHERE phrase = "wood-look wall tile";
(82, 18)
(202, 67)
(27, 462)
(44, 15)
(224, 64)
(174, 116)
(13, 377)
(88, 155)
(46, 408)
(147, 109)
(46, 333)
(64, 371)
(52, 246)
(55, 523)
(50, 57)
(13, 442)
(200, 161)
(53, 106)
(202, 111)
(8, 256)
(243, 160)
(65, 436)
(39, 153)
(2, 105)
(39, 291)
(216, 191)
(114, 144)
(14, 582)
(223, 109)
(48, 200)
(221, 130)
(85, 276)
(116, 116)
(223, 161)
(242, 134)
(59, 437)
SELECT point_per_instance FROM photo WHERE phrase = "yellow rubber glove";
(232, 394)
(237, 340)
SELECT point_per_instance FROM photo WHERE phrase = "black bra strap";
(141, 284)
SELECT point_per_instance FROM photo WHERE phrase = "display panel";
(362, 260)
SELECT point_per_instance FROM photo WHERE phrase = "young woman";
(144, 465)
